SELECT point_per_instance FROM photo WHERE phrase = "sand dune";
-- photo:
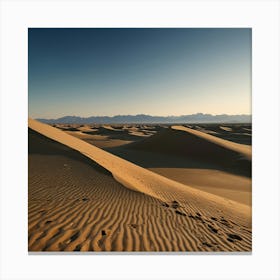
(195, 162)
(207, 131)
(198, 146)
(139, 133)
(87, 128)
(76, 205)
(201, 173)
(244, 150)
(231, 132)
(109, 127)
(101, 141)
(224, 184)
(107, 136)
(137, 178)
(225, 128)
(192, 172)
(247, 129)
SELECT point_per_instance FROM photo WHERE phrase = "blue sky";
(156, 71)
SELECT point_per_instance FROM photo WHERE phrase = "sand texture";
(82, 198)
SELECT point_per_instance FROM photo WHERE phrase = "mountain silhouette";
(141, 118)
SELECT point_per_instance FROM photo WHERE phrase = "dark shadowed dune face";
(117, 134)
(41, 145)
(179, 143)
(139, 143)
(238, 133)
(106, 136)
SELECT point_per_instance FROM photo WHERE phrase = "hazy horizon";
(128, 71)
(138, 114)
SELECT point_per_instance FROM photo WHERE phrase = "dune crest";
(245, 150)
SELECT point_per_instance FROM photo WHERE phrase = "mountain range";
(141, 118)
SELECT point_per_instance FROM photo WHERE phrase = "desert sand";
(243, 150)
(83, 198)
(208, 163)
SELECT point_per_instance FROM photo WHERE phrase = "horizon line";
(143, 114)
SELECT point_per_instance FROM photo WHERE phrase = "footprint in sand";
(207, 244)
(134, 225)
(62, 246)
(165, 204)
(100, 242)
(175, 204)
(229, 239)
(78, 248)
(74, 236)
(233, 237)
(180, 213)
(226, 222)
(197, 217)
(214, 230)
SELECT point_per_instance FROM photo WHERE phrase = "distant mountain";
(121, 119)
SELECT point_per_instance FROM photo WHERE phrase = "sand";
(244, 150)
(224, 184)
(225, 128)
(84, 198)
(108, 136)
(101, 141)
(181, 157)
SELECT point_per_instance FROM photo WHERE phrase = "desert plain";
(139, 187)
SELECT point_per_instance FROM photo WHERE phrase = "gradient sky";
(95, 72)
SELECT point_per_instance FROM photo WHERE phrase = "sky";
(121, 71)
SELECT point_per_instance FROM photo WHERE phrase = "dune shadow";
(238, 133)
(123, 134)
(41, 145)
(177, 149)
(114, 134)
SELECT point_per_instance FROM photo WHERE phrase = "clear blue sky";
(94, 72)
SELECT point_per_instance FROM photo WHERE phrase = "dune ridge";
(244, 150)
